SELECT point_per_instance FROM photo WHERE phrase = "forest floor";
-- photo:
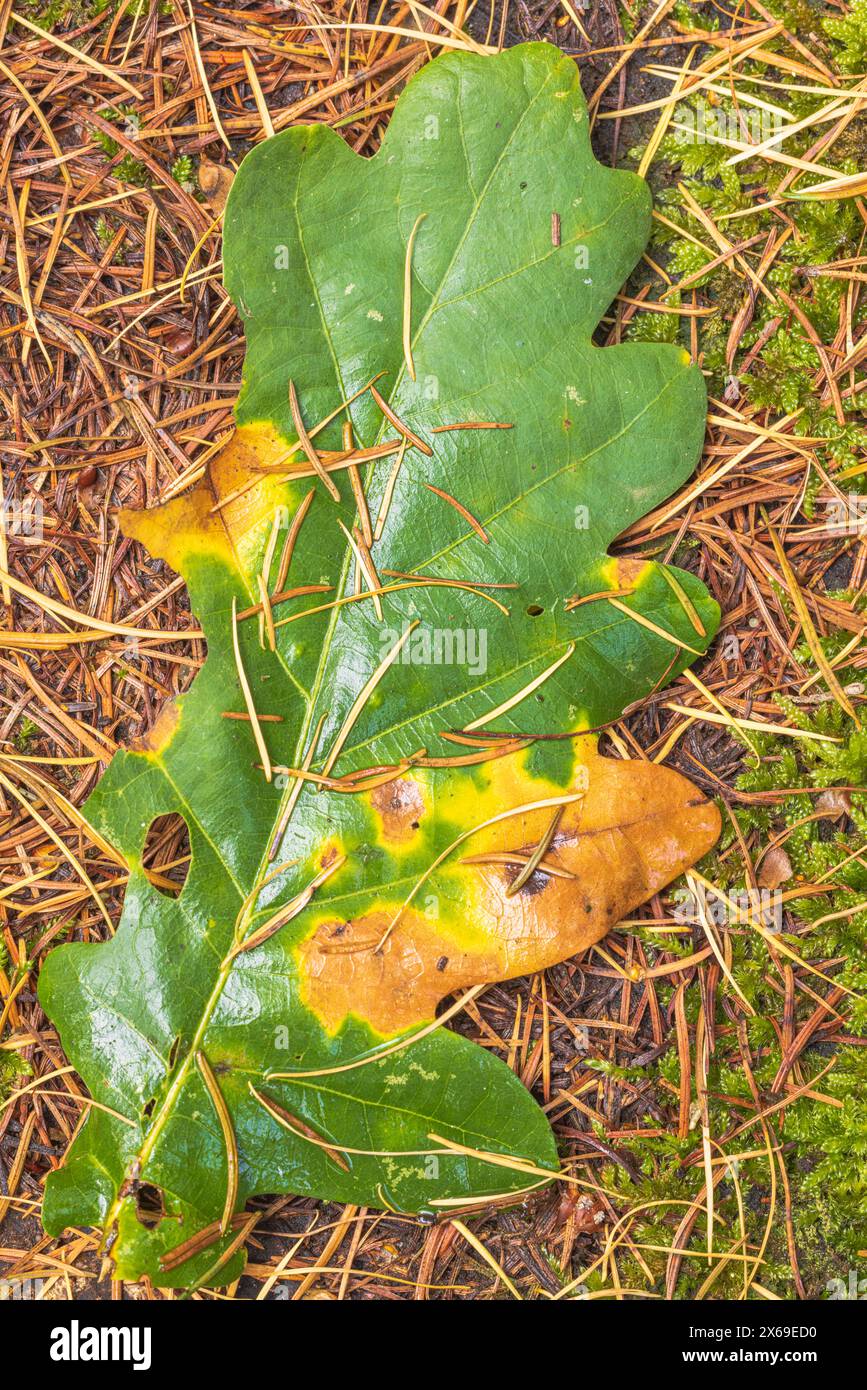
(690, 1041)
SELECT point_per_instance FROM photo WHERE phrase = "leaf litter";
(521, 1016)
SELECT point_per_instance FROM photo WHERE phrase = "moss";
(850, 37)
(183, 171)
(705, 132)
(11, 1068)
(823, 1137)
(24, 734)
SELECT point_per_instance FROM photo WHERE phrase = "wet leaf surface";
(234, 1030)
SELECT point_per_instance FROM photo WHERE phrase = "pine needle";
(248, 695)
(365, 693)
(816, 649)
(232, 1167)
(407, 297)
(652, 627)
(459, 507)
(399, 424)
(307, 443)
(522, 693)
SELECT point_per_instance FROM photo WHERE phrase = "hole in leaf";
(174, 1050)
(166, 854)
(535, 610)
(149, 1205)
(148, 1108)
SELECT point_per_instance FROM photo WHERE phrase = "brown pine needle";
(684, 599)
(264, 577)
(67, 853)
(287, 465)
(399, 424)
(513, 811)
(774, 939)
(543, 865)
(757, 725)
(381, 1052)
(361, 505)
(515, 1163)
(464, 583)
(298, 1127)
(459, 507)
(248, 695)
(62, 610)
(305, 1132)
(307, 443)
(282, 595)
(258, 94)
(365, 564)
(231, 1143)
(481, 739)
(816, 649)
(474, 1241)
(473, 425)
(208, 1236)
(332, 462)
(407, 296)
(203, 77)
(268, 615)
(263, 718)
(291, 538)
(353, 781)
(79, 55)
(708, 929)
(577, 601)
(484, 755)
(390, 589)
(286, 913)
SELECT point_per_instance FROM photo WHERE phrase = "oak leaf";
(386, 765)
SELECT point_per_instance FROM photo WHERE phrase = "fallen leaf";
(834, 803)
(775, 868)
(215, 181)
(257, 1033)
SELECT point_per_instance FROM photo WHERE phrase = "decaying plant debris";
(687, 1040)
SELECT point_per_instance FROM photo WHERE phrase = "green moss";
(24, 734)
(823, 1137)
(182, 170)
(850, 35)
(11, 1068)
(705, 133)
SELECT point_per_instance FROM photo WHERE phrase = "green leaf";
(319, 925)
